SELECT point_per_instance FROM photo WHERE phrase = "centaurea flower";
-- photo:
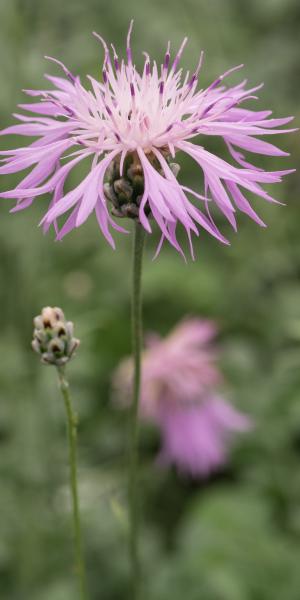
(131, 126)
(180, 396)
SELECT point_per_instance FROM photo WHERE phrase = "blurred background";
(236, 535)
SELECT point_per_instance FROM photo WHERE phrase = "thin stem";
(72, 422)
(136, 318)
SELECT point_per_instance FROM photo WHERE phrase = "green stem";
(136, 318)
(72, 422)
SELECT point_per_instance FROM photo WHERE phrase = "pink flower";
(131, 126)
(196, 438)
(179, 395)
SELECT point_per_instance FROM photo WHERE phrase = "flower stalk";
(72, 422)
(136, 318)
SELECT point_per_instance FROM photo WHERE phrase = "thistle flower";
(131, 126)
(53, 337)
(179, 394)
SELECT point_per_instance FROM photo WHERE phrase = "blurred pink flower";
(179, 395)
(136, 123)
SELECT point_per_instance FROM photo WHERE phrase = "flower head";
(53, 337)
(129, 127)
(179, 395)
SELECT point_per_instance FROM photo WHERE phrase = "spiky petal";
(150, 117)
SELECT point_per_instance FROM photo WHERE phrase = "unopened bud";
(53, 337)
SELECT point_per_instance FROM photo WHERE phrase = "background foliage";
(235, 536)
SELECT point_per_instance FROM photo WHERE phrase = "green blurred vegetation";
(236, 536)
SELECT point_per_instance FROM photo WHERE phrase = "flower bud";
(53, 337)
